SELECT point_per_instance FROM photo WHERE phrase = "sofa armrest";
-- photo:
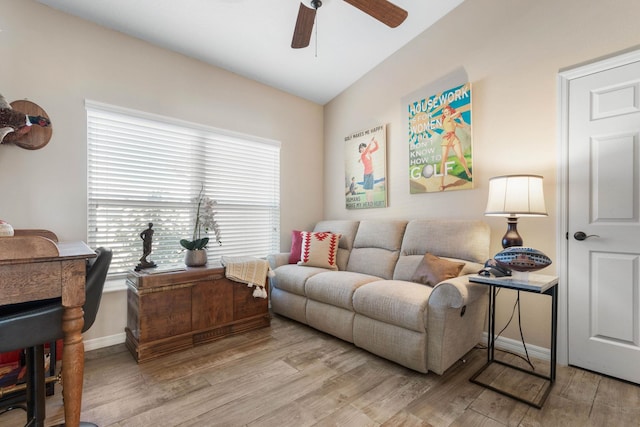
(276, 260)
(456, 292)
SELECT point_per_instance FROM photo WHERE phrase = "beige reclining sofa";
(371, 300)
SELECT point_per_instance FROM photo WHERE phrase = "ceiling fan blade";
(304, 27)
(382, 10)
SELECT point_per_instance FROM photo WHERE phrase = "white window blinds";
(144, 168)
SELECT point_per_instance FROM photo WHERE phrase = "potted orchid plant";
(204, 223)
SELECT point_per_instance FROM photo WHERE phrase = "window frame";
(247, 210)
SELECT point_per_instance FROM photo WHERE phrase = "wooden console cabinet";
(169, 312)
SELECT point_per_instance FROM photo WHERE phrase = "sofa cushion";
(396, 302)
(336, 287)
(376, 248)
(433, 270)
(462, 239)
(292, 277)
(319, 249)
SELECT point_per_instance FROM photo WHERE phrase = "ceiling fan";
(382, 10)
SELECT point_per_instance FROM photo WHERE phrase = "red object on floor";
(59, 350)
(10, 357)
(14, 356)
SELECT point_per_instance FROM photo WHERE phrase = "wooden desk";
(35, 268)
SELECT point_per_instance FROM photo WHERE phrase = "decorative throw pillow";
(433, 270)
(319, 249)
(296, 247)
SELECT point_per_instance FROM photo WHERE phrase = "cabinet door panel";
(212, 304)
(165, 314)
(245, 304)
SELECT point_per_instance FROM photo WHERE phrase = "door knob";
(581, 235)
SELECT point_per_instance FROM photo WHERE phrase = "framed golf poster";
(365, 180)
(440, 143)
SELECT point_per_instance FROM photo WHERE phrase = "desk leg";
(72, 364)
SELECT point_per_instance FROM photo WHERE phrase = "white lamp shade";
(516, 195)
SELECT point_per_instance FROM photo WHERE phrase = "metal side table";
(535, 283)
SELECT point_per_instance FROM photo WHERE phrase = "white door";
(603, 289)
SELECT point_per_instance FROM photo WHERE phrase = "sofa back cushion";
(348, 229)
(459, 239)
(376, 247)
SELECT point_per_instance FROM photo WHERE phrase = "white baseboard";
(101, 342)
(515, 346)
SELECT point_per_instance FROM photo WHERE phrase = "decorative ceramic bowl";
(519, 258)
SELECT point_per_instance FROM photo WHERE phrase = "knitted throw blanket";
(249, 270)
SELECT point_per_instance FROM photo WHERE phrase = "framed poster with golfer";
(365, 179)
(440, 143)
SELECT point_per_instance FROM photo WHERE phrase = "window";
(144, 168)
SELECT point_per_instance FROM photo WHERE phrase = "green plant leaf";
(188, 244)
(201, 243)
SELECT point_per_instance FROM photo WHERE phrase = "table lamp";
(514, 196)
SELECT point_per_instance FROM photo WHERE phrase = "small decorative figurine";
(147, 240)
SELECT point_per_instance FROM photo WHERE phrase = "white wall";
(511, 52)
(58, 61)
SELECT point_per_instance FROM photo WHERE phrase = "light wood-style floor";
(292, 375)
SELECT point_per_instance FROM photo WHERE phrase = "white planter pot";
(195, 258)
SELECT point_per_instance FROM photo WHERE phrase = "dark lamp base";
(511, 237)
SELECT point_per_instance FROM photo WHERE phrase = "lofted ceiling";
(252, 38)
